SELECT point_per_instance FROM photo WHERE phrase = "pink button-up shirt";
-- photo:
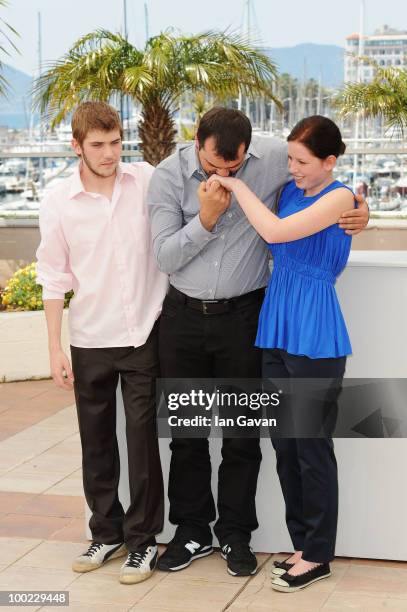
(102, 250)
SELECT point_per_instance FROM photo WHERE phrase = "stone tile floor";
(42, 529)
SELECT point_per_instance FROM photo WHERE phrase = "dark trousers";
(307, 466)
(195, 345)
(96, 372)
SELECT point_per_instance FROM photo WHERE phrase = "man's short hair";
(94, 116)
(229, 127)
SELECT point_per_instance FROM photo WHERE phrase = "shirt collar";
(193, 161)
(77, 185)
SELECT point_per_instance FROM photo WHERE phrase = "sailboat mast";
(127, 100)
(146, 24)
(41, 160)
(248, 32)
(359, 79)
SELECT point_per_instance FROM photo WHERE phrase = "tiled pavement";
(42, 528)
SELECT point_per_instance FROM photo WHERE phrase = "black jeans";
(96, 372)
(195, 345)
(307, 467)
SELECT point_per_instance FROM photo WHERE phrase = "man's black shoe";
(240, 559)
(180, 553)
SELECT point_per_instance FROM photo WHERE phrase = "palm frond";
(96, 39)
(385, 95)
(7, 32)
(96, 74)
(102, 64)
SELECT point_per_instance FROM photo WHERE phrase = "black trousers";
(96, 372)
(195, 345)
(307, 467)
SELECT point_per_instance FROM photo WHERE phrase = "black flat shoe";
(281, 567)
(289, 584)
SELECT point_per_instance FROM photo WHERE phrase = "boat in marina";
(30, 196)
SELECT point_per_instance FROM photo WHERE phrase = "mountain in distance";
(311, 60)
(307, 59)
(15, 107)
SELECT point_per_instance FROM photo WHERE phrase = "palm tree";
(385, 95)
(101, 65)
(6, 34)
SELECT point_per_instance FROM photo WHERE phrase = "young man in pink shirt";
(95, 239)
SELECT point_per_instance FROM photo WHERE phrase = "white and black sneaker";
(240, 559)
(96, 555)
(139, 565)
(181, 552)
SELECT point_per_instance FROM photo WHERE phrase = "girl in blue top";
(303, 334)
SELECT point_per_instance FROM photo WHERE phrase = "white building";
(387, 47)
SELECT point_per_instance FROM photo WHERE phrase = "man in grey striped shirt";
(218, 268)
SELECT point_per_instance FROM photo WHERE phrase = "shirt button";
(215, 263)
(223, 236)
(230, 215)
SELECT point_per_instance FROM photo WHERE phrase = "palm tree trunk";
(157, 132)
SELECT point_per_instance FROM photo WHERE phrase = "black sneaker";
(180, 553)
(290, 584)
(240, 559)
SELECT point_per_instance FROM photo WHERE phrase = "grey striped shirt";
(230, 260)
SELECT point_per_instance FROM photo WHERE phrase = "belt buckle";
(205, 305)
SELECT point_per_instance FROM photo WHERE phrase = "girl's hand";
(228, 182)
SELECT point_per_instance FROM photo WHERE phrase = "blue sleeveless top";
(301, 312)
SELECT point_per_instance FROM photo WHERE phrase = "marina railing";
(375, 167)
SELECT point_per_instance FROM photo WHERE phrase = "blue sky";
(282, 23)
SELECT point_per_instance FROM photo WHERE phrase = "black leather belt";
(208, 307)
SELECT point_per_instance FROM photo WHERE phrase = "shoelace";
(93, 549)
(135, 559)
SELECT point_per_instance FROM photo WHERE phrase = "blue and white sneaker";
(181, 552)
(139, 565)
